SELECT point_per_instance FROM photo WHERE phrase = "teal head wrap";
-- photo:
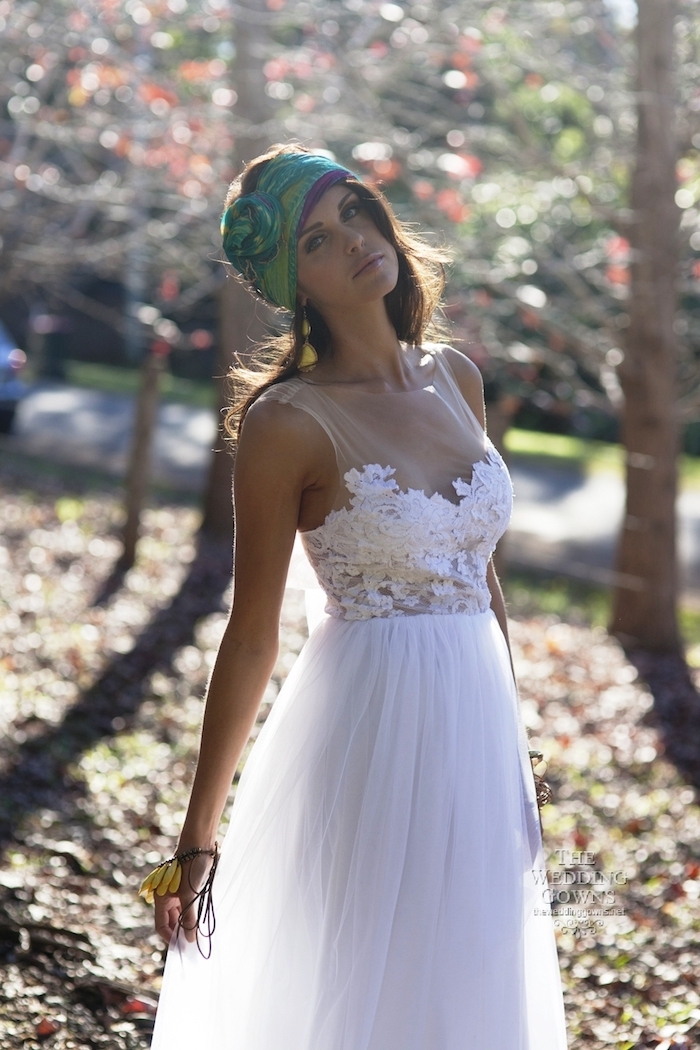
(260, 230)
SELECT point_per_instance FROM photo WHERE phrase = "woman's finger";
(167, 913)
(189, 920)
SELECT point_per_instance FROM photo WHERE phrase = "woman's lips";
(371, 263)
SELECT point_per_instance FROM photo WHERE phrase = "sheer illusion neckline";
(489, 459)
(345, 383)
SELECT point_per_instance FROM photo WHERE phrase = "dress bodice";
(424, 496)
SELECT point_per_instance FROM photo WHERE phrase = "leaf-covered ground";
(101, 683)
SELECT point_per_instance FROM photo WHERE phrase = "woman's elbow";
(252, 633)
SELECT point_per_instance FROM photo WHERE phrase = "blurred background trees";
(509, 130)
(117, 131)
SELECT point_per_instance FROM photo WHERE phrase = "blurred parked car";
(12, 389)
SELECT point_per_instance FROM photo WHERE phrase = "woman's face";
(343, 260)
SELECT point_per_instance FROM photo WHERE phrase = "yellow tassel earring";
(308, 358)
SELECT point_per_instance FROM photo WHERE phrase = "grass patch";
(564, 450)
(113, 380)
(689, 620)
(689, 472)
(577, 602)
(535, 594)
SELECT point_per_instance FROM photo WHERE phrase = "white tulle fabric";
(381, 884)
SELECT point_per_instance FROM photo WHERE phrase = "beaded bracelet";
(167, 877)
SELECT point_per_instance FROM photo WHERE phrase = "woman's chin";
(382, 285)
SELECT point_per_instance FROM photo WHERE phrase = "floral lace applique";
(393, 552)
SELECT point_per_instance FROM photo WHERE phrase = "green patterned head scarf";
(260, 229)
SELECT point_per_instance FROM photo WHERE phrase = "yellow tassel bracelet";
(166, 878)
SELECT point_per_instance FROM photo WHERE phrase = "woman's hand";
(171, 906)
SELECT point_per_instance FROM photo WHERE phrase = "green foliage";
(540, 103)
(570, 145)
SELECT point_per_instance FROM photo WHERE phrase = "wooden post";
(644, 612)
(140, 456)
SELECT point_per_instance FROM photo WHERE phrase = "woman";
(378, 885)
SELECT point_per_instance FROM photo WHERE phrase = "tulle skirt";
(381, 884)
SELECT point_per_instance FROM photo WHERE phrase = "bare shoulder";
(466, 372)
(269, 421)
(278, 438)
(468, 379)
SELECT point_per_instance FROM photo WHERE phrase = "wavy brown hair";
(411, 305)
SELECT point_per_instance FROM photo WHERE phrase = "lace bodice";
(391, 549)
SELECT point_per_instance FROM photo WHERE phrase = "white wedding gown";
(380, 882)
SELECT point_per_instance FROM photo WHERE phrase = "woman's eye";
(348, 213)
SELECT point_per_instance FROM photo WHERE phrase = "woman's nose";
(355, 240)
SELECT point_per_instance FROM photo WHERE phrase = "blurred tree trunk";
(644, 613)
(138, 263)
(242, 319)
(138, 470)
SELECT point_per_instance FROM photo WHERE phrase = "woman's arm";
(275, 462)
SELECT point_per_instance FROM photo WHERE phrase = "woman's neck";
(364, 346)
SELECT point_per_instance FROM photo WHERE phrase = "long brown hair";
(411, 305)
